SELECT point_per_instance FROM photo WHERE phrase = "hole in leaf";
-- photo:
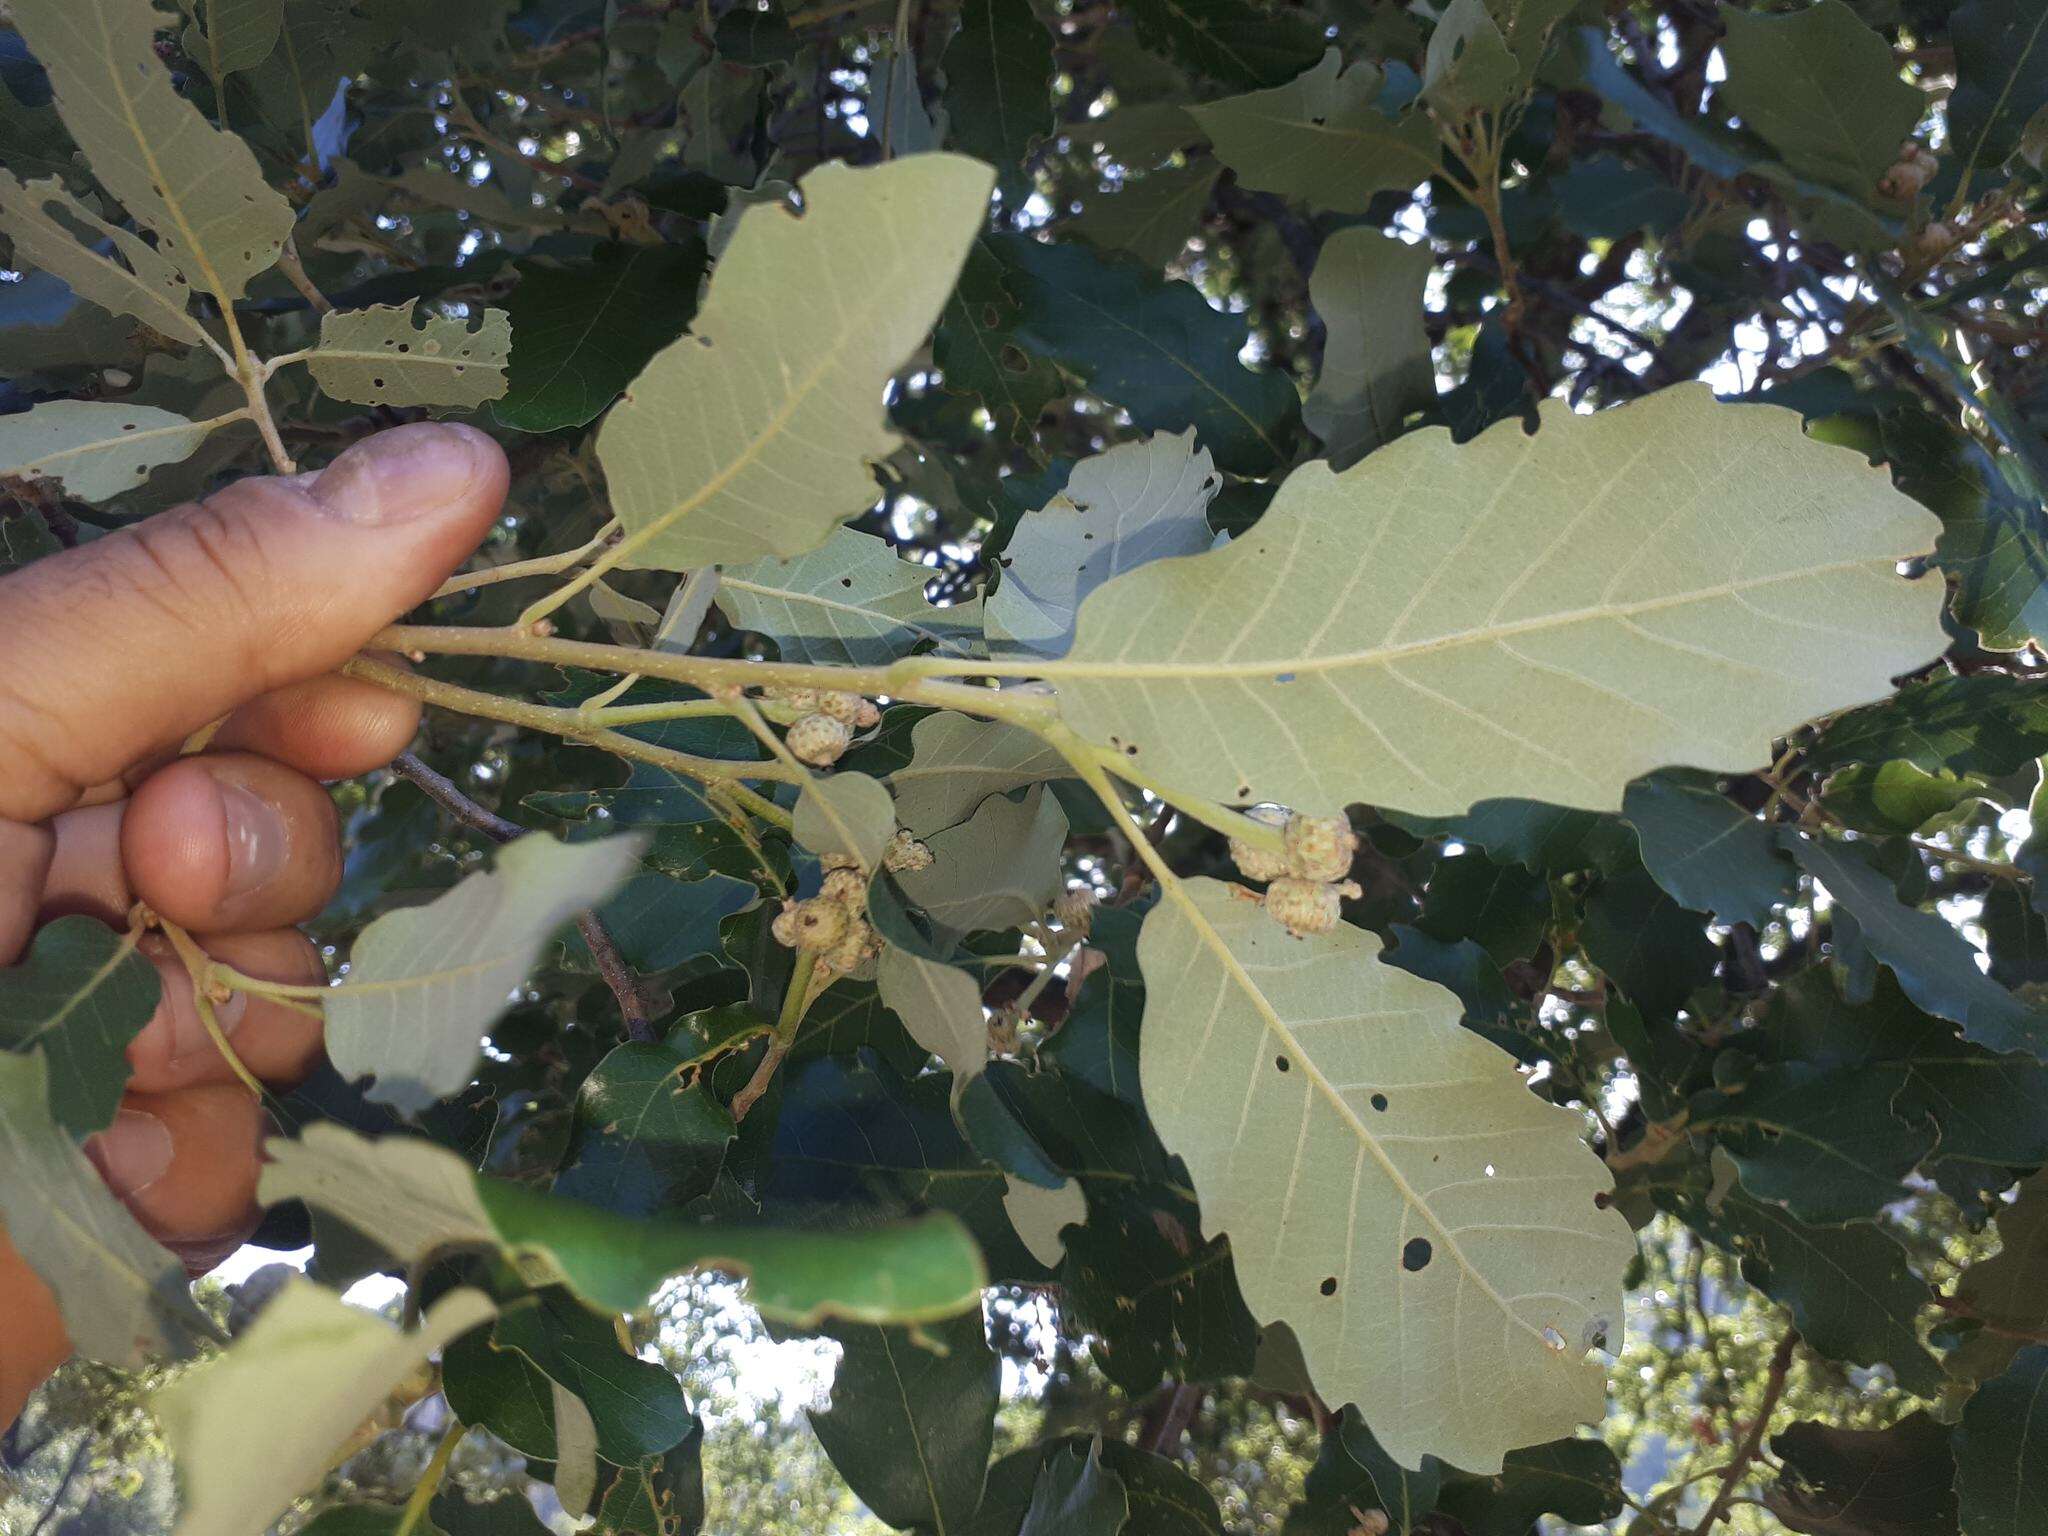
(1329, 1286)
(1379, 1102)
(1280, 1062)
(1416, 1254)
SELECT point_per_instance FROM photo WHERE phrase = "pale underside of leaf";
(850, 602)
(753, 435)
(941, 1007)
(1140, 501)
(410, 1197)
(124, 1297)
(95, 449)
(52, 230)
(1000, 868)
(425, 982)
(199, 188)
(845, 813)
(382, 356)
(256, 1427)
(1041, 1216)
(1391, 1189)
(1321, 138)
(957, 762)
(1675, 581)
(1376, 359)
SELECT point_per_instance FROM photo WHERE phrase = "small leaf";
(1468, 68)
(636, 1407)
(1139, 501)
(957, 762)
(1041, 1216)
(1708, 852)
(123, 1296)
(1076, 1495)
(382, 356)
(1822, 89)
(2001, 1451)
(998, 869)
(1357, 1144)
(1470, 666)
(257, 1426)
(1234, 42)
(95, 449)
(1579, 1481)
(848, 814)
(912, 1420)
(2004, 1292)
(941, 1007)
(232, 35)
(1376, 359)
(999, 71)
(1153, 347)
(424, 983)
(1322, 139)
(1935, 964)
(853, 601)
(806, 319)
(52, 230)
(1898, 1481)
(82, 994)
(199, 189)
(581, 331)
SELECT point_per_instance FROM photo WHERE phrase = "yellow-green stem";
(543, 565)
(430, 1482)
(199, 967)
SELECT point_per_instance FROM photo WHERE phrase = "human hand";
(111, 656)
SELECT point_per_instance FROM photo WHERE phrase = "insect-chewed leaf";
(852, 601)
(752, 435)
(425, 982)
(1672, 581)
(53, 231)
(1042, 1216)
(1391, 1189)
(254, 1428)
(123, 1295)
(82, 995)
(95, 448)
(1000, 868)
(380, 356)
(1137, 502)
(198, 188)
(1321, 138)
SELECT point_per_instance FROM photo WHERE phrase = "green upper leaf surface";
(81, 995)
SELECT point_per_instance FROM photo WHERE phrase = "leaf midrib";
(1177, 892)
(1386, 655)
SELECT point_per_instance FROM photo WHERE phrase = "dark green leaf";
(2001, 78)
(912, 1420)
(645, 1138)
(1578, 1481)
(1877, 1482)
(1352, 1475)
(82, 994)
(637, 1406)
(2002, 1451)
(1709, 853)
(1076, 1495)
(1152, 346)
(1233, 42)
(1652, 948)
(1987, 723)
(999, 86)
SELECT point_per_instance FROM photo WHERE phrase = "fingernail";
(258, 841)
(132, 1153)
(403, 474)
(189, 1037)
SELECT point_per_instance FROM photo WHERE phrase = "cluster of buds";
(1074, 910)
(833, 925)
(1933, 241)
(905, 854)
(821, 721)
(1307, 878)
(1915, 167)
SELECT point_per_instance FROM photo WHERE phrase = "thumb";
(127, 645)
